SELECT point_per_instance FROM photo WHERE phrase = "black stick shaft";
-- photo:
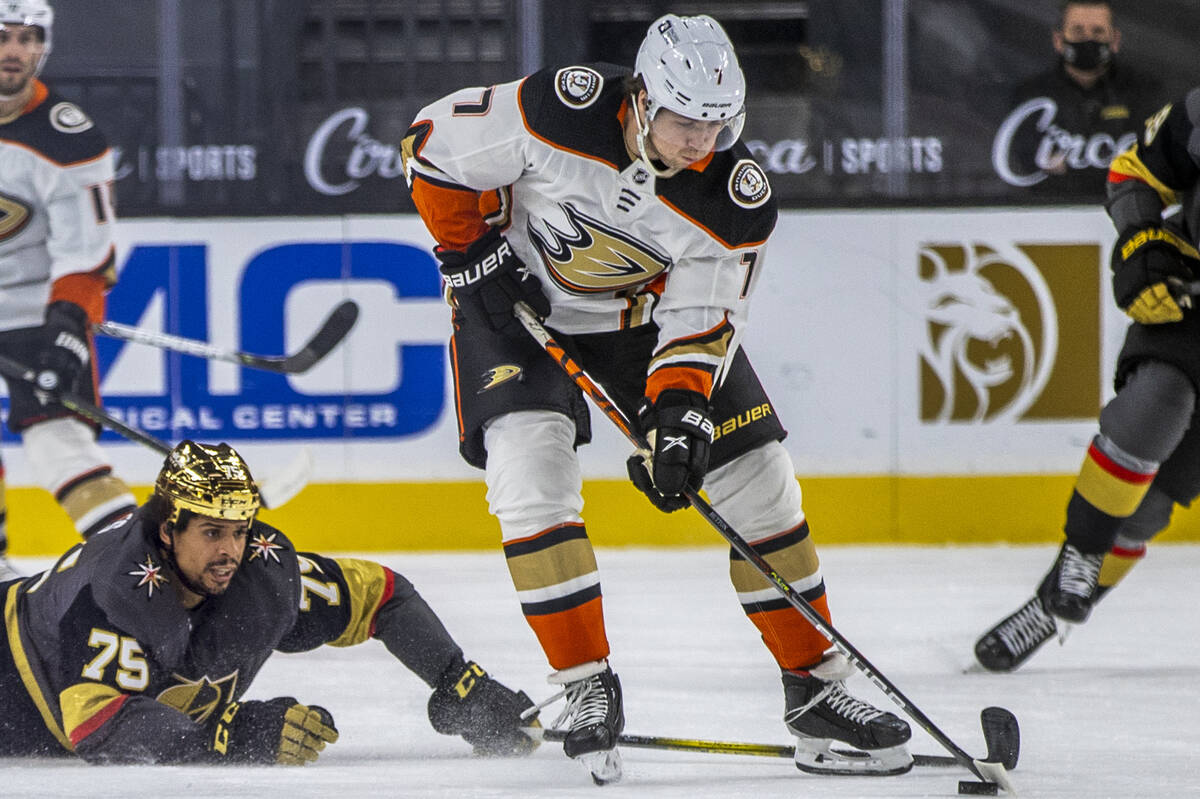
(331, 332)
(17, 371)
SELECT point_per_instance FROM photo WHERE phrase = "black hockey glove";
(1149, 267)
(680, 431)
(65, 352)
(279, 730)
(468, 702)
(488, 279)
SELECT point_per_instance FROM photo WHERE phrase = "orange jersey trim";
(678, 377)
(85, 289)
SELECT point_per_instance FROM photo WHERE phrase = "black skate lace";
(1078, 572)
(587, 703)
(1026, 628)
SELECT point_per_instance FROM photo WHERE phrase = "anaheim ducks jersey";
(121, 671)
(56, 210)
(1161, 171)
(615, 247)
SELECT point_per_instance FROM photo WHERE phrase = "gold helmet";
(211, 481)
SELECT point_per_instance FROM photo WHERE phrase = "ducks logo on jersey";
(592, 257)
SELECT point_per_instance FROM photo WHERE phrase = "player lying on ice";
(137, 646)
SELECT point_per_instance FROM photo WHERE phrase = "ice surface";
(1110, 714)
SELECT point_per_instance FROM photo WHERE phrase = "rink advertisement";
(919, 360)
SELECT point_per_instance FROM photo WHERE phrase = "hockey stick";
(275, 489)
(329, 335)
(1000, 729)
(1009, 759)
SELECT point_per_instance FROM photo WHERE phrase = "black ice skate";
(823, 716)
(595, 716)
(1071, 589)
(468, 702)
(1011, 642)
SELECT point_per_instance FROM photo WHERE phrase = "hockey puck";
(978, 788)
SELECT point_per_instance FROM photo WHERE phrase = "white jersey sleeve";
(57, 175)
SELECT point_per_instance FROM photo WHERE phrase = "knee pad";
(1150, 414)
(533, 477)
(67, 462)
(757, 493)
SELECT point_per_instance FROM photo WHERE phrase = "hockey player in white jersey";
(56, 266)
(626, 212)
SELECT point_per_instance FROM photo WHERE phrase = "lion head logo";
(991, 333)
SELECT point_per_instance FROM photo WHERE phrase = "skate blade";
(817, 756)
(605, 765)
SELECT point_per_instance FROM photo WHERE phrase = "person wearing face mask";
(1073, 119)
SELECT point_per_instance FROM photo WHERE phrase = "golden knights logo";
(1011, 331)
(199, 699)
(591, 257)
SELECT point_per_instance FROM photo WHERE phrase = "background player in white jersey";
(56, 266)
(625, 211)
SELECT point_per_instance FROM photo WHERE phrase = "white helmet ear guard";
(689, 66)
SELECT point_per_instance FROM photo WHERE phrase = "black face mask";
(1088, 54)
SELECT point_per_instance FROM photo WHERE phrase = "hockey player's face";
(679, 141)
(208, 552)
(20, 50)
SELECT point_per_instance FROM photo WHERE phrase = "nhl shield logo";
(578, 87)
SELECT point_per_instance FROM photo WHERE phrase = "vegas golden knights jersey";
(120, 671)
(56, 211)
(615, 247)
(1160, 171)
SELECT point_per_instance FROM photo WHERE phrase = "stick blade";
(335, 328)
(1002, 735)
(280, 487)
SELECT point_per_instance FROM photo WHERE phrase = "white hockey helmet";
(36, 14)
(689, 66)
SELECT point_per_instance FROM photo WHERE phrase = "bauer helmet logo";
(578, 87)
(990, 349)
(748, 186)
(69, 118)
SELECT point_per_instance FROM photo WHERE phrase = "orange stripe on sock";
(794, 642)
(574, 636)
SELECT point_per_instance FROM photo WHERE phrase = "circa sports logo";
(578, 87)
(69, 118)
(1058, 149)
(748, 186)
(1011, 331)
